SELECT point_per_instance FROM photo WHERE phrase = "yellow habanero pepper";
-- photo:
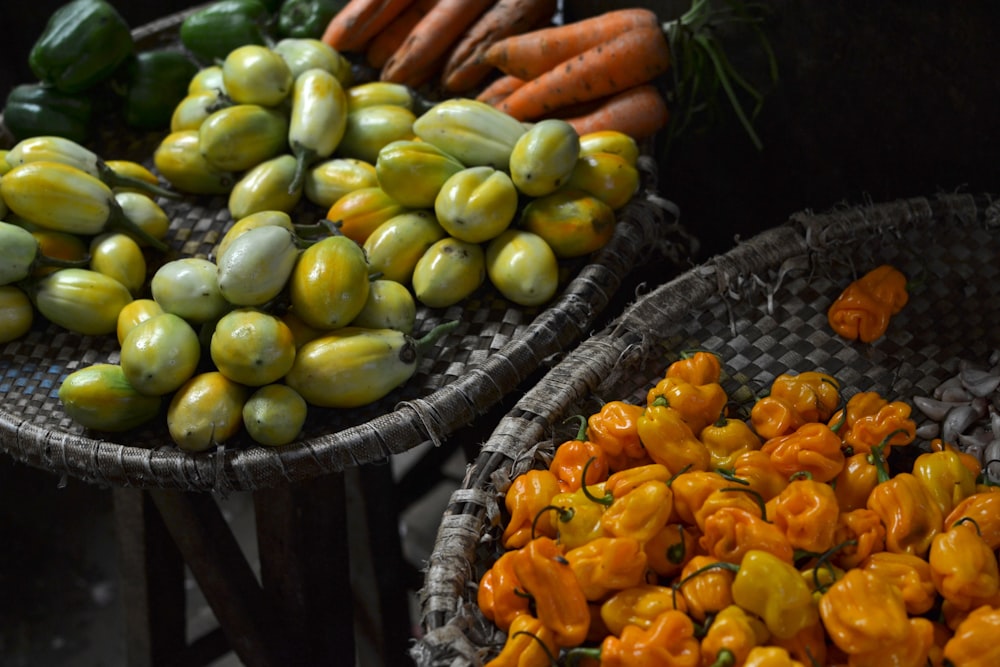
(624, 481)
(946, 477)
(730, 637)
(529, 644)
(862, 611)
(775, 591)
(726, 438)
(771, 656)
(670, 440)
(529, 493)
(559, 600)
(699, 405)
(577, 515)
(640, 513)
(974, 643)
(813, 448)
(615, 429)
(815, 396)
(963, 567)
(698, 368)
(806, 511)
(607, 564)
(639, 605)
(910, 515)
(910, 574)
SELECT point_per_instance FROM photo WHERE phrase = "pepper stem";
(608, 497)
(724, 658)
(581, 433)
(44, 261)
(756, 495)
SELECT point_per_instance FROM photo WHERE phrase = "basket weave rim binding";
(647, 228)
(449, 619)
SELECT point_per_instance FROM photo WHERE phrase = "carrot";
(359, 21)
(465, 67)
(533, 53)
(639, 112)
(628, 59)
(384, 44)
(430, 40)
(497, 90)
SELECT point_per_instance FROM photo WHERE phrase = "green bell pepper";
(211, 33)
(82, 44)
(306, 18)
(157, 81)
(34, 109)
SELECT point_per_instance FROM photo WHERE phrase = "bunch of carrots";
(601, 73)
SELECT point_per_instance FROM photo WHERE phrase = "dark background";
(875, 101)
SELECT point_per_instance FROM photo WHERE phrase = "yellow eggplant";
(608, 176)
(254, 74)
(329, 180)
(274, 415)
(253, 221)
(396, 245)
(610, 141)
(21, 255)
(136, 312)
(80, 300)
(252, 347)
(474, 132)
(318, 120)
(17, 313)
(144, 213)
(522, 267)
(412, 172)
(256, 266)
(189, 287)
(448, 272)
(178, 157)
(119, 256)
(194, 108)
(134, 170)
(266, 187)
(390, 305)
(160, 354)
(206, 411)
(57, 196)
(359, 213)
(476, 204)
(330, 282)
(241, 136)
(543, 158)
(370, 128)
(207, 79)
(99, 397)
(355, 366)
(373, 93)
(302, 53)
(47, 148)
(571, 221)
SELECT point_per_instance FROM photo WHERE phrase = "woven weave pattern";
(762, 308)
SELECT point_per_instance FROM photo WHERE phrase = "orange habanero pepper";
(730, 636)
(912, 650)
(806, 511)
(863, 310)
(891, 425)
(758, 470)
(528, 494)
(670, 640)
(671, 548)
(705, 583)
(669, 439)
(814, 395)
(974, 643)
(909, 513)
(813, 448)
(771, 656)
(730, 532)
(698, 368)
(529, 644)
(856, 481)
(861, 534)
(963, 567)
(698, 404)
(772, 416)
(983, 507)
(499, 596)
(624, 481)
(559, 600)
(608, 564)
(639, 605)
(726, 438)
(862, 611)
(910, 574)
(572, 456)
(690, 490)
(615, 429)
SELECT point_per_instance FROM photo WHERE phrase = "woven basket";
(496, 348)
(762, 308)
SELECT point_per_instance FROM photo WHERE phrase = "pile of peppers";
(693, 532)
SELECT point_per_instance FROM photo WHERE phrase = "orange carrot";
(639, 112)
(384, 44)
(465, 67)
(498, 90)
(628, 59)
(431, 39)
(359, 21)
(531, 54)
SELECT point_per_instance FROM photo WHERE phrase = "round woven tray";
(496, 347)
(762, 308)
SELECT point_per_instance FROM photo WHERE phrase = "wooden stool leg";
(303, 545)
(152, 582)
(257, 634)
